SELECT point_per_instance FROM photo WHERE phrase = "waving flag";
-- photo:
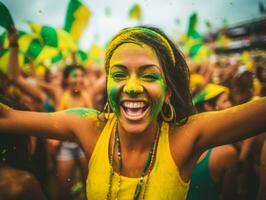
(192, 27)
(6, 20)
(54, 37)
(31, 47)
(135, 12)
(195, 45)
(77, 18)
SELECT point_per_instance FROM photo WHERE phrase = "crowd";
(225, 167)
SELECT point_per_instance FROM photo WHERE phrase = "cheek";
(157, 95)
(156, 92)
(113, 95)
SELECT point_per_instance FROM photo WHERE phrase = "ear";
(168, 96)
(207, 107)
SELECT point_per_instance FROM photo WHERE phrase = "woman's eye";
(118, 76)
(150, 77)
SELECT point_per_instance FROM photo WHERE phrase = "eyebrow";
(142, 68)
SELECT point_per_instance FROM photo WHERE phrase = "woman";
(148, 147)
(69, 156)
(16, 164)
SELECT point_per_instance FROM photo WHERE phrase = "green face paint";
(157, 105)
(74, 74)
(112, 92)
(136, 85)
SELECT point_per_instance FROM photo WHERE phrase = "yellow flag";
(135, 12)
(77, 17)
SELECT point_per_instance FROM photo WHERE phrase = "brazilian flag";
(28, 44)
(31, 46)
(77, 17)
(54, 37)
(195, 45)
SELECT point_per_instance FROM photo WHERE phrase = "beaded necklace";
(147, 167)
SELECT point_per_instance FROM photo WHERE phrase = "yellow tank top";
(164, 181)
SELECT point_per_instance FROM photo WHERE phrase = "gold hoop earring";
(106, 111)
(172, 113)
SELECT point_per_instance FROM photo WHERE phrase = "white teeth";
(129, 104)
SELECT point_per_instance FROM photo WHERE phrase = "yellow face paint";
(125, 33)
(135, 72)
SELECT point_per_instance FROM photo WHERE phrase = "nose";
(133, 87)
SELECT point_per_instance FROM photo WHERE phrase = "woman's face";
(223, 102)
(136, 86)
(75, 80)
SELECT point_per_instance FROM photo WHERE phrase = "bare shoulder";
(88, 127)
(227, 155)
(182, 139)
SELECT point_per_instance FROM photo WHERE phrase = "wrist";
(13, 44)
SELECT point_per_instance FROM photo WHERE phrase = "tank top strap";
(205, 160)
(164, 155)
(101, 147)
(163, 145)
(208, 154)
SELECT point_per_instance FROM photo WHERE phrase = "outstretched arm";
(64, 125)
(230, 125)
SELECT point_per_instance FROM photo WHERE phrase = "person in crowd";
(35, 94)
(261, 74)
(69, 155)
(214, 176)
(262, 184)
(16, 180)
(149, 142)
(242, 91)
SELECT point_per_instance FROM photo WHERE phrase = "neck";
(138, 142)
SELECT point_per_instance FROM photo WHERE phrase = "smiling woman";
(148, 146)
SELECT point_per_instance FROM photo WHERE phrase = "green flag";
(192, 27)
(6, 20)
(77, 18)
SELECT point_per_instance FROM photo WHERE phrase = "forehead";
(76, 72)
(134, 55)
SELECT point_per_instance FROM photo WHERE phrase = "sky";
(170, 15)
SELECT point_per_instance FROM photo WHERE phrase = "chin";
(134, 128)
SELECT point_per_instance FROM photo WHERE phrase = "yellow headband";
(142, 29)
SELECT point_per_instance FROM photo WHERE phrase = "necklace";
(147, 167)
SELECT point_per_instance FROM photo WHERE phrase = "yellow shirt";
(164, 181)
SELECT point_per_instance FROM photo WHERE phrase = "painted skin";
(136, 87)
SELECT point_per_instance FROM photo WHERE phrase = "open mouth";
(134, 110)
